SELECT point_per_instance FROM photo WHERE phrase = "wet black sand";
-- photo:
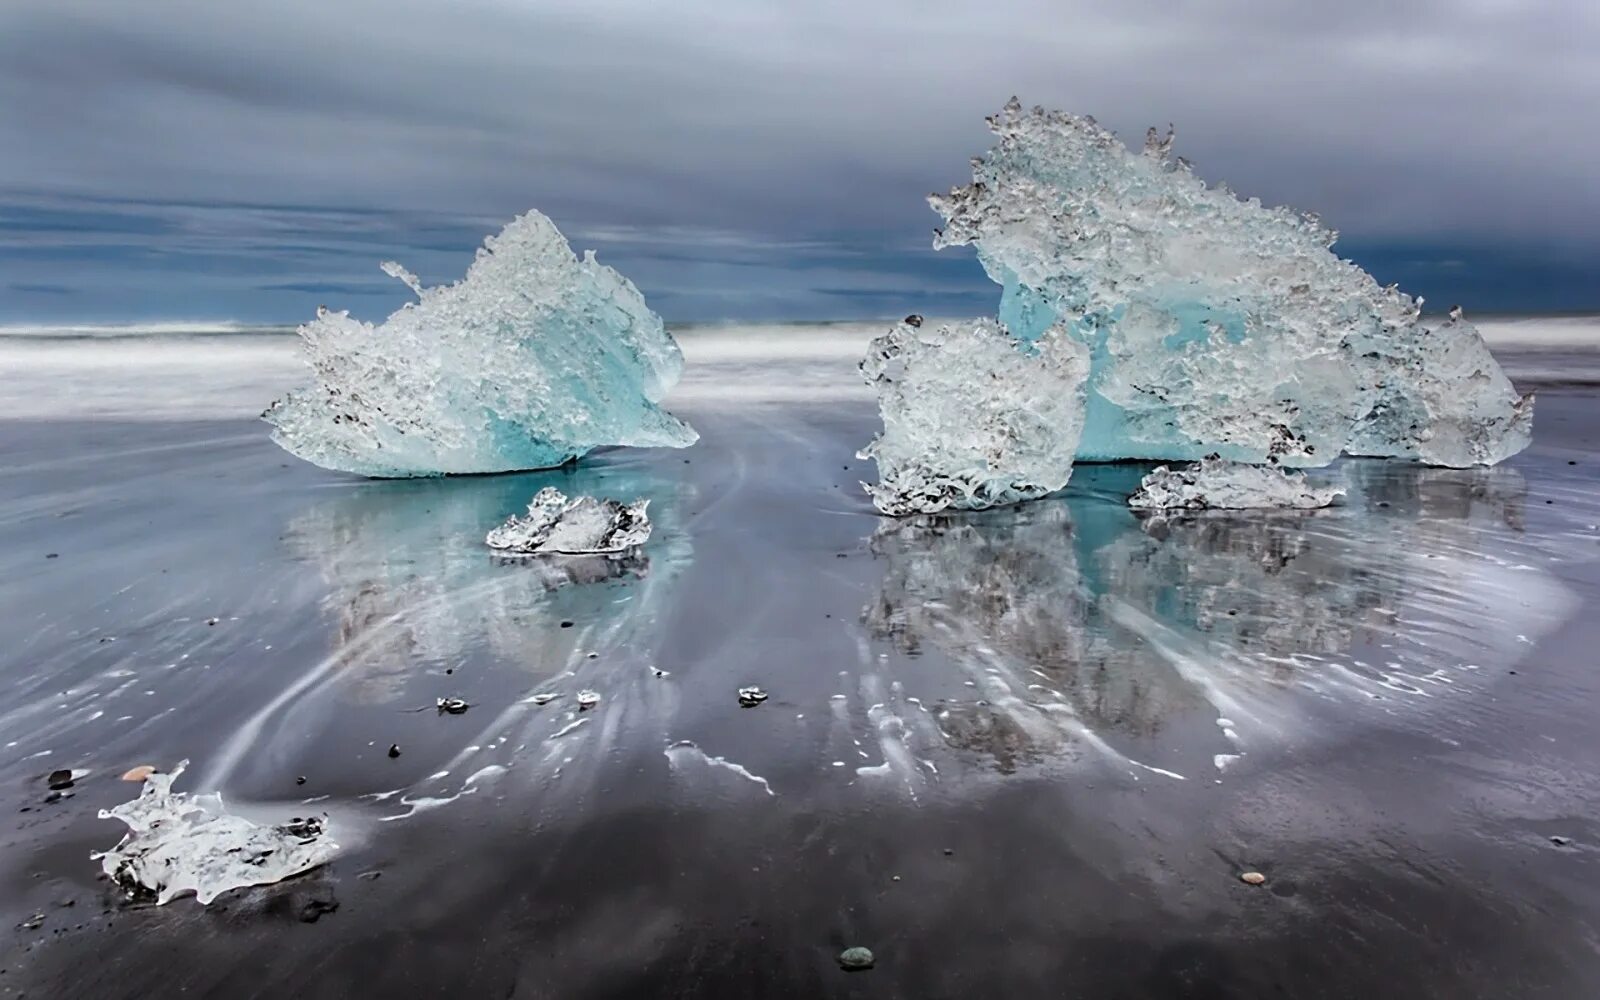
(1410, 680)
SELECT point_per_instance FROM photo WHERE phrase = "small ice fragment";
(583, 526)
(749, 697)
(1214, 484)
(972, 417)
(178, 843)
(452, 706)
(536, 357)
(588, 699)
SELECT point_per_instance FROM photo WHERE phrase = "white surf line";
(722, 762)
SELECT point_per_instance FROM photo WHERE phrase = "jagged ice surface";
(579, 526)
(971, 417)
(1216, 324)
(1217, 484)
(178, 842)
(536, 357)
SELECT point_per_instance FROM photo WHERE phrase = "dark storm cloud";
(743, 157)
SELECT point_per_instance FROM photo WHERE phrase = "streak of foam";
(682, 753)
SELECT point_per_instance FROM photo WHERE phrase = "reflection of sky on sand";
(423, 610)
(1070, 628)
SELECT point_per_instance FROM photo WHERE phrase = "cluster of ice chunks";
(580, 526)
(179, 843)
(971, 417)
(1217, 484)
(1214, 325)
(536, 357)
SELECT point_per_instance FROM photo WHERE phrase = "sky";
(757, 160)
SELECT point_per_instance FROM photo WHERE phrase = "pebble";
(749, 697)
(453, 706)
(1252, 878)
(855, 959)
(212, 621)
(588, 699)
(394, 750)
(1561, 841)
(59, 780)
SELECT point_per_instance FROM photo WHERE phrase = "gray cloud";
(783, 129)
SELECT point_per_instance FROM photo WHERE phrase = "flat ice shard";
(536, 357)
(1217, 484)
(972, 418)
(178, 842)
(581, 526)
(1216, 324)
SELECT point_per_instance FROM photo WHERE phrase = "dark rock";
(60, 779)
(394, 750)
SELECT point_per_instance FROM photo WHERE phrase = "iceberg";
(972, 417)
(581, 526)
(535, 358)
(1214, 324)
(178, 843)
(1217, 484)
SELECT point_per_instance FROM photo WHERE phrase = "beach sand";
(1025, 753)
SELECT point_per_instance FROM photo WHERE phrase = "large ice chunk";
(178, 842)
(972, 418)
(1216, 324)
(1217, 484)
(536, 357)
(580, 526)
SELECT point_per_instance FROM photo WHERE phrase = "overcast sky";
(209, 159)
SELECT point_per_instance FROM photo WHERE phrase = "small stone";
(315, 908)
(855, 959)
(59, 780)
(894, 878)
(33, 923)
(1561, 841)
(544, 698)
(139, 773)
(566, 624)
(948, 851)
(587, 699)
(750, 697)
(394, 750)
(1252, 878)
(52, 555)
(452, 706)
(300, 780)
(212, 621)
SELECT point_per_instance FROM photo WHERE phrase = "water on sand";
(1023, 753)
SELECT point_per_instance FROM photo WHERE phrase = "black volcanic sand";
(1025, 753)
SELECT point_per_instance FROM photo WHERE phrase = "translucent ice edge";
(536, 357)
(1213, 324)
(579, 526)
(1216, 484)
(178, 843)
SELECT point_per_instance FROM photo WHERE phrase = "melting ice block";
(536, 357)
(1217, 484)
(1216, 324)
(178, 842)
(581, 526)
(972, 418)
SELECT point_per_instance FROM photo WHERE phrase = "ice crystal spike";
(536, 357)
(971, 417)
(1215, 324)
